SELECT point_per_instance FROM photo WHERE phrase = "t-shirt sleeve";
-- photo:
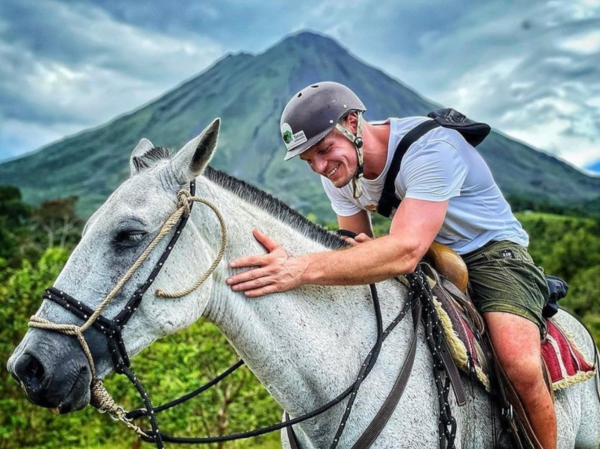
(340, 204)
(433, 172)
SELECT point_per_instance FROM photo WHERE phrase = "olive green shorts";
(504, 278)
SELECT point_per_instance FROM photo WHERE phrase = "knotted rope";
(101, 399)
(184, 200)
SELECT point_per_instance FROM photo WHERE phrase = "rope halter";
(100, 398)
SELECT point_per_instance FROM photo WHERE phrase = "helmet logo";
(287, 137)
(290, 139)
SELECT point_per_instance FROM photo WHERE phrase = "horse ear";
(191, 160)
(137, 156)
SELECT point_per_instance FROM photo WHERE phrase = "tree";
(58, 220)
(13, 219)
(584, 292)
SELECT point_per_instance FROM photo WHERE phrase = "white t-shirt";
(440, 166)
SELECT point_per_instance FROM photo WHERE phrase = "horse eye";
(130, 237)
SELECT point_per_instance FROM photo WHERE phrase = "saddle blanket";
(566, 364)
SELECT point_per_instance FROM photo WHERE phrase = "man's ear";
(192, 159)
(351, 122)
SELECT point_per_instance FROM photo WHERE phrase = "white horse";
(305, 346)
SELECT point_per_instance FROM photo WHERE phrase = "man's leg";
(516, 341)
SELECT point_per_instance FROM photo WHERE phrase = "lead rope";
(184, 199)
(101, 399)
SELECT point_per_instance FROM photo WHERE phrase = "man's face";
(333, 157)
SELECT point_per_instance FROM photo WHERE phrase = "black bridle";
(112, 330)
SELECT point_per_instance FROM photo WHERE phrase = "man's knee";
(517, 345)
(526, 373)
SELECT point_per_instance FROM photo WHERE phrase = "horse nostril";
(30, 372)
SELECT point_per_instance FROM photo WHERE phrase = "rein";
(419, 294)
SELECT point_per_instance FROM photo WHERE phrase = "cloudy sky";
(529, 68)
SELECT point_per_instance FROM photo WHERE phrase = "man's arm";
(359, 223)
(415, 225)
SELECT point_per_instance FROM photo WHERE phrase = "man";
(448, 195)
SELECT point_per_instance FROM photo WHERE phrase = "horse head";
(52, 367)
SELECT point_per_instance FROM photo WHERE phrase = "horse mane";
(257, 197)
(274, 207)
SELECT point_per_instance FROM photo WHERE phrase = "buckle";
(508, 413)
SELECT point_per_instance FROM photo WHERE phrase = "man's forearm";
(366, 263)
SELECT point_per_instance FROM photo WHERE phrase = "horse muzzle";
(52, 370)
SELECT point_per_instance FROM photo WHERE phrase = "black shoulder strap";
(473, 132)
(389, 200)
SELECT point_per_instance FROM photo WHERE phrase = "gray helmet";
(313, 112)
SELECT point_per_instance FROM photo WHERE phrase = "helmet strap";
(358, 144)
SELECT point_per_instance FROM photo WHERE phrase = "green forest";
(35, 243)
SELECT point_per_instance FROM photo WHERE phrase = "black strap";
(365, 370)
(385, 412)
(124, 315)
(291, 435)
(473, 132)
(144, 395)
(368, 363)
(389, 201)
(138, 413)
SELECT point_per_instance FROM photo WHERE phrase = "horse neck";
(305, 345)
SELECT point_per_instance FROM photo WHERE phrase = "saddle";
(448, 264)
(465, 328)
(472, 352)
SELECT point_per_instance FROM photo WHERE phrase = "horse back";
(580, 403)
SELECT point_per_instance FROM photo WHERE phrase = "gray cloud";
(71, 66)
(531, 71)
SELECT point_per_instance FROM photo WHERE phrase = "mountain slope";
(249, 92)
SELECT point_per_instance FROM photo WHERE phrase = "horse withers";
(306, 346)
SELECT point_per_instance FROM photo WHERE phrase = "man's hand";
(360, 238)
(276, 272)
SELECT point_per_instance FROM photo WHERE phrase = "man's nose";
(319, 166)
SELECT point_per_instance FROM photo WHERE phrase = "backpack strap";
(473, 132)
(389, 201)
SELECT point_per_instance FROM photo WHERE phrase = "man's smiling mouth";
(333, 171)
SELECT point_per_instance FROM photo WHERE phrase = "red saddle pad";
(566, 363)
